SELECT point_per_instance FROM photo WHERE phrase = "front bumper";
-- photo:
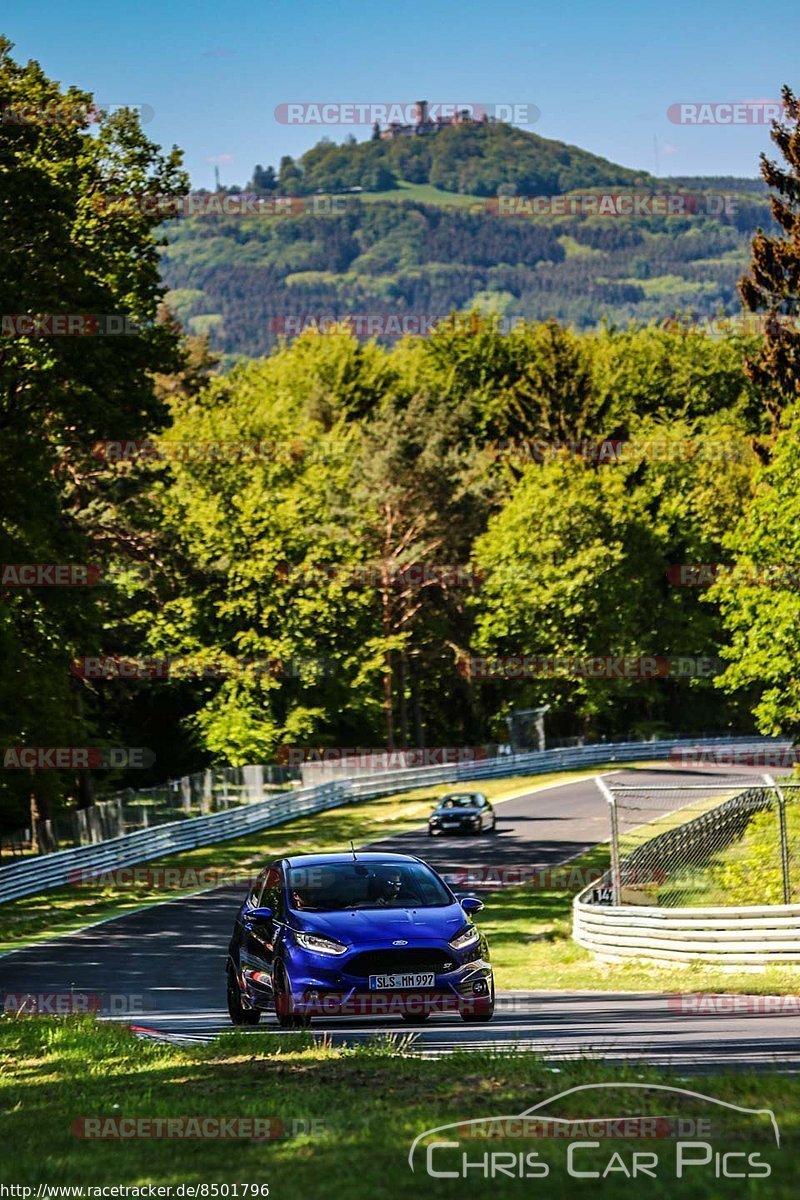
(322, 986)
(465, 826)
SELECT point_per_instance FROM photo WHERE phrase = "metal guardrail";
(43, 872)
(732, 935)
(746, 936)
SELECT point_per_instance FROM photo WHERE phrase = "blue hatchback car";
(360, 934)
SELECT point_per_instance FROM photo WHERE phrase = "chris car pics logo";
(683, 1145)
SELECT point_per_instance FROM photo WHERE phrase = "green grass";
(530, 935)
(349, 1117)
(749, 870)
(66, 909)
(425, 193)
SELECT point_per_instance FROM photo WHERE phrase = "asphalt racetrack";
(162, 969)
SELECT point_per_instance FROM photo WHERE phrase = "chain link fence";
(211, 791)
(728, 841)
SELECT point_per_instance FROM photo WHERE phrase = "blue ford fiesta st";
(356, 935)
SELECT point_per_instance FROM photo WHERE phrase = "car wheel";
(237, 1012)
(284, 1004)
(431, 832)
(476, 1017)
(494, 826)
(415, 1018)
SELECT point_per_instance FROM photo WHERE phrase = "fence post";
(612, 808)
(787, 892)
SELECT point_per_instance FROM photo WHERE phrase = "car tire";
(431, 832)
(284, 1005)
(415, 1018)
(237, 1012)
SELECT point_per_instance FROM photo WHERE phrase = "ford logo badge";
(400, 942)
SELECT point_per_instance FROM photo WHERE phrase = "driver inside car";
(387, 890)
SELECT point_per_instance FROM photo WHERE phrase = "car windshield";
(459, 802)
(333, 887)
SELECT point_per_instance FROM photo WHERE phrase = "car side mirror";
(261, 914)
(471, 905)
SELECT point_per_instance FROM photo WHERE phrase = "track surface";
(162, 968)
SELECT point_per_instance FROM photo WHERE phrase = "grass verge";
(348, 1118)
(530, 935)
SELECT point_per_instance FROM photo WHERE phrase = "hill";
(475, 159)
(421, 235)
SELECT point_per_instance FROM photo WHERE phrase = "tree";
(576, 565)
(773, 283)
(290, 177)
(420, 501)
(759, 596)
(264, 180)
(67, 246)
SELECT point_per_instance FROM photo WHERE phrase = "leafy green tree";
(290, 177)
(264, 180)
(577, 565)
(68, 247)
(773, 283)
(759, 596)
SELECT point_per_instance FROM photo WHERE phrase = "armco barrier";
(746, 936)
(42, 872)
(734, 936)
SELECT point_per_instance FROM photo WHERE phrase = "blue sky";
(603, 76)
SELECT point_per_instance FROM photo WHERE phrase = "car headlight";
(467, 937)
(320, 944)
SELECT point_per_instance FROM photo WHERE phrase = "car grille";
(390, 962)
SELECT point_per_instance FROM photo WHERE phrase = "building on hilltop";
(424, 125)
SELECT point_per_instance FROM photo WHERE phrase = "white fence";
(734, 936)
(42, 872)
(747, 936)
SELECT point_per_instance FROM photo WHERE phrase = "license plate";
(377, 982)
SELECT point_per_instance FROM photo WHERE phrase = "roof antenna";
(352, 847)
